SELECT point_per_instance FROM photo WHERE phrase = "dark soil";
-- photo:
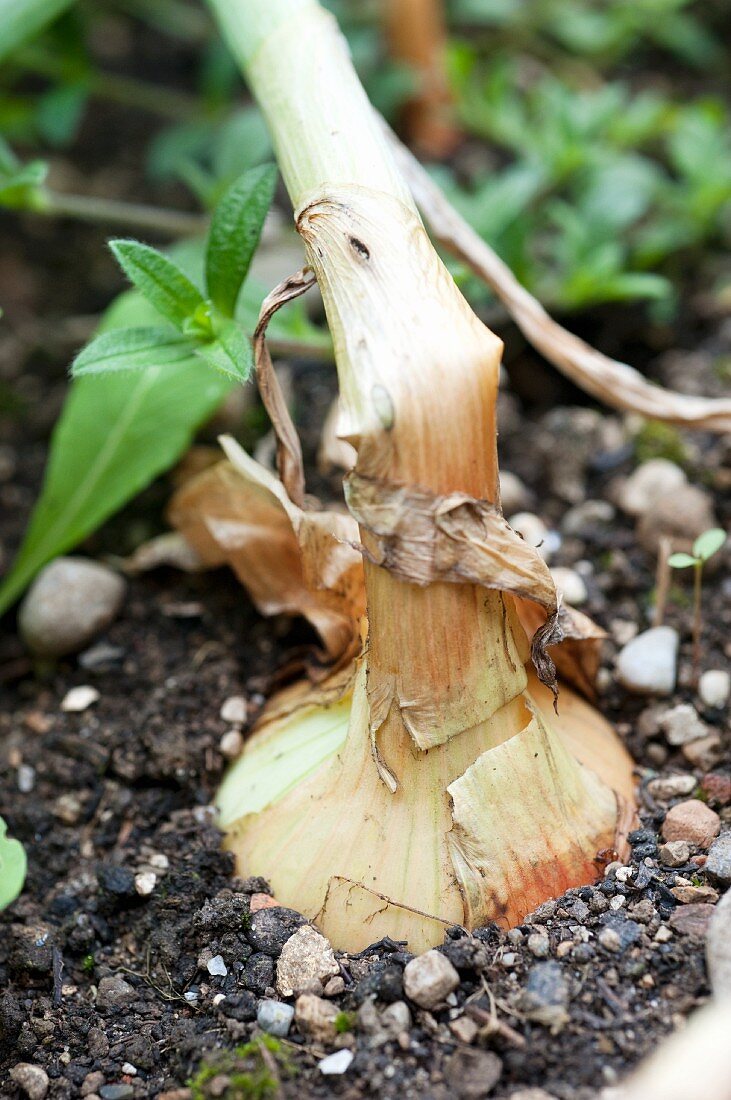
(125, 787)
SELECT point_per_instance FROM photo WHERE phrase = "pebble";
(704, 753)
(590, 513)
(270, 928)
(145, 883)
(262, 901)
(429, 979)
(129, 1069)
(647, 664)
(231, 744)
(692, 895)
(693, 821)
(668, 787)
(464, 1029)
(609, 939)
(531, 1094)
(33, 1080)
(117, 1092)
(718, 864)
(717, 788)
(337, 1063)
(71, 601)
(546, 996)
(692, 920)
(681, 724)
(79, 699)
(396, 1018)
(275, 1018)
(26, 778)
(652, 480)
(235, 710)
(315, 1017)
(681, 517)
(306, 959)
(571, 585)
(714, 687)
(216, 967)
(539, 945)
(674, 854)
(114, 992)
(514, 497)
(471, 1073)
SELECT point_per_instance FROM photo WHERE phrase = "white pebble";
(231, 744)
(129, 1069)
(336, 1063)
(714, 687)
(570, 585)
(653, 480)
(234, 710)
(79, 699)
(159, 861)
(216, 967)
(191, 997)
(647, 664)
(145, 883)
(26, 778)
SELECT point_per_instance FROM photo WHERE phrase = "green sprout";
(13, 865)
(704, 547)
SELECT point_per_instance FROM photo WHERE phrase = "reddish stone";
(693, 821)
(692, 920)
(717, 788)
(262, 901)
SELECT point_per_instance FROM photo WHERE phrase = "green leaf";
(235, 232)
(19, 190)
(681, 561)
(709, 543)
(13, 866)
(115, 435)
(230, 353)
(159, 279)
(23, 19)
(131, 349)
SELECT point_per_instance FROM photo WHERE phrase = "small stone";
(235, 710)
(464, 1029)
(275, 1018)
(692, 920)
(692, 821)
(647, 664)
(531, 1094)
(92, 1082)
(429, 979)
(71, 601)
(546, 996)
(116, 880)
(590, 513)
(514, 497)
(396, 1018)
(262, 901)
(539, 945)
(714, 687)
(315, 1018)
(306, 958)
(26, 778)
(334, 987)
(717, 788)
(33, 1080)
(681, 724)
(191, 996)
(68, 809)
(653, 479)
(609, 939)
(704, 753)
(471, 1073)
(129, 1069)
(674, 854)
(692, 895)
(571, 585)
(117, 1092)
(682, 517)
(114, 992)
(663, 934)
(271, 927)
(337, 1063)
(216, 967)
(145, 883)
(718, 864)
(668, 787)
(79, 699)
(231, 744)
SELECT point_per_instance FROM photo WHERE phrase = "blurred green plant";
(13, 866)
(704, 548)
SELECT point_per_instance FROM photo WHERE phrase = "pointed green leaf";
(159, 279)
(23, 19)
(235, 232)
(19, 189)
(230, 353)
(132, 349)
(681, 561)
(13, 866)
(709, 543)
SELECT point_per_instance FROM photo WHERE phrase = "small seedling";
(704, 547)
(13, 865)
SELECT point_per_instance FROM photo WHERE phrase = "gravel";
(647, 665)
(429, 979)
(71, 601)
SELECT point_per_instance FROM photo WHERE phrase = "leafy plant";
(704, 548)
(23, 19)
(253, 1071)
(13, 866)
